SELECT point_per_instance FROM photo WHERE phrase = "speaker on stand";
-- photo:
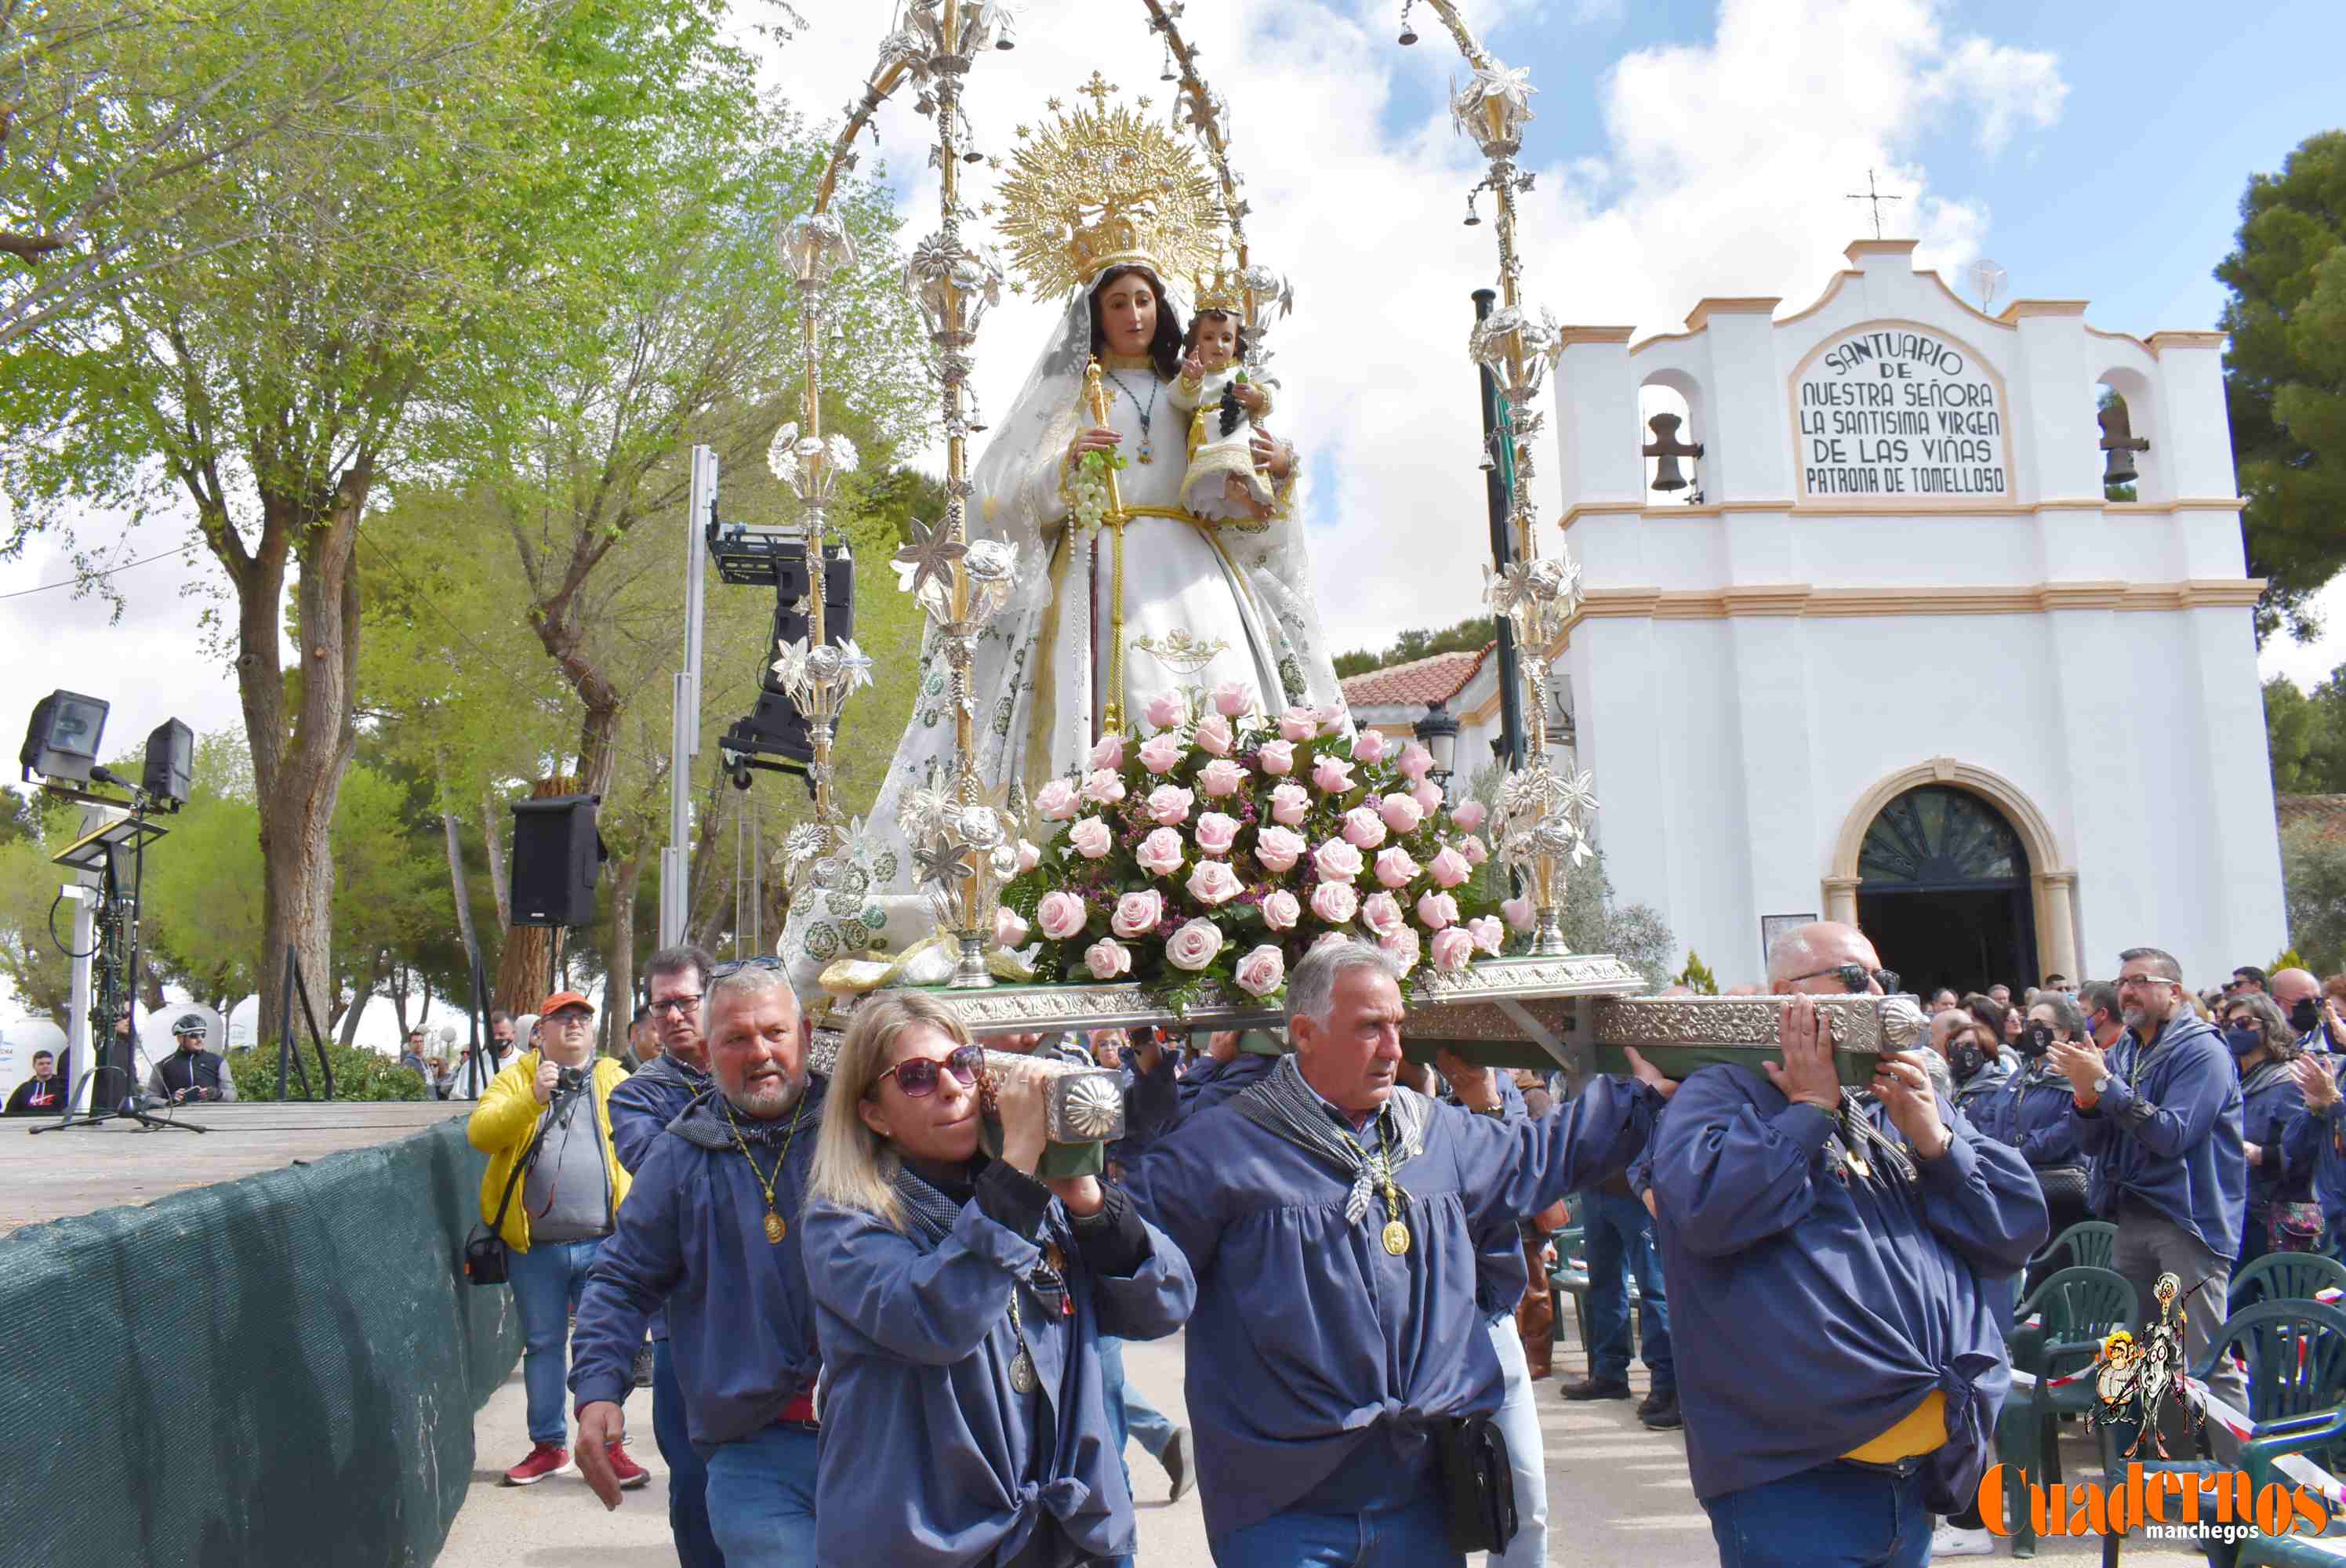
(556, 855)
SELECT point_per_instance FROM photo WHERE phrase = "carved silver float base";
(1680, 1034)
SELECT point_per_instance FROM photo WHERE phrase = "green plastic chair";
(2327, 1550)
(2285, 1276)
(2075, 1309)
(2090, 1243)
(2296, 1356)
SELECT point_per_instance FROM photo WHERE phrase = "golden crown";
(1103, 187)
(1219, 289)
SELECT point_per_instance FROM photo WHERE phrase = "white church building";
(1891, 657)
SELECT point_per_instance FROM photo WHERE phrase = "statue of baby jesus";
(1221, 482)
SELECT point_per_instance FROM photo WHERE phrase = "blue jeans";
(1834, 1516)
(1128, 1411)
(546, 1280)
(688, 1477)
(1518, 1423)
(761, 1499)
(1620, 1237)
(1412, 1536)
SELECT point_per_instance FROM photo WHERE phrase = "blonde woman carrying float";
(959, 1304)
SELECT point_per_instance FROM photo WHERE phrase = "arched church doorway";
(1944, 890)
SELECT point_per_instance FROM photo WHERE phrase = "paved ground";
(1618, 1496)
(52, 1175)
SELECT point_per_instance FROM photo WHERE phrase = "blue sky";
(2128, 200)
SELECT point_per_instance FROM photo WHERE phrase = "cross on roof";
(1098, 90)
(1876, 198)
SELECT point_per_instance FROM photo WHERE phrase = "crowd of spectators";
(859, 1219)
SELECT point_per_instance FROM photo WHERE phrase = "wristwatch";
(2102, 1084)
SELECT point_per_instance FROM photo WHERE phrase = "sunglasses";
(917, 1076)
(736, 965)
(1853, 977)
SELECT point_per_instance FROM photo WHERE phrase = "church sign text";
(1896, 412)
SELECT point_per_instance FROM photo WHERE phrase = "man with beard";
(711, 1229)
(674, 979)
(2160, 1117)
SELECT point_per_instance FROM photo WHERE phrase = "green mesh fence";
(281, 1370)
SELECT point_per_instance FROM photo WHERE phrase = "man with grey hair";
(675, 978)
(710, 1229)
(1329, 1215)
(2160, 1117)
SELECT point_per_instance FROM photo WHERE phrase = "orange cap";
(562, 999)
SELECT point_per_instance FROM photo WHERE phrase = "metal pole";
(685, 735)
(1498, 480)
(80, 1046)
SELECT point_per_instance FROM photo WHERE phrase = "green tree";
(122, 120)
(2285, 377)
(2305, 735)
(2313, 871)
(414, 240)
(1467, 637)
(33, 961)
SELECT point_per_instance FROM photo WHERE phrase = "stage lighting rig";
(109, 858)
(775, 735)
(61, 748)
(61, 743)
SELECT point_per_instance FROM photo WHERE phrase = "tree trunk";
(525, 967)
(298, 765)
(349, 1031)
(463, 894)
(500, 888)
(619, 963)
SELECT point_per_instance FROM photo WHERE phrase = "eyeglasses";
(917, 1076)
(679, 1005)
(567, 1019)
(733, 966)
(2126, 979)
(1853, 977)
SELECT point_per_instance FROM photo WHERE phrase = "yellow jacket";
(504, 1122)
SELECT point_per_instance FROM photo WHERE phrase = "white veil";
(876, 905)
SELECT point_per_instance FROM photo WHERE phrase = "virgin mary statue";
(1109, 211)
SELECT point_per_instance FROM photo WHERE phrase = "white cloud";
(1723, 171)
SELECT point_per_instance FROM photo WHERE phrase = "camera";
(570, 1079)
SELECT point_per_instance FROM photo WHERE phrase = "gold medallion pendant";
(775, 1228)
(1396, 1237)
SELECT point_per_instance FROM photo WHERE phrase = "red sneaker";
(631, 1474)
(546, 1459)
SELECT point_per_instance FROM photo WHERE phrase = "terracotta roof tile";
(2325, 814)
(1437, 677)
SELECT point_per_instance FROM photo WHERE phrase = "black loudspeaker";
(555, 855)
(170, 763)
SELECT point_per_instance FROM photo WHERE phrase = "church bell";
(2119, 444)
(1666, 449)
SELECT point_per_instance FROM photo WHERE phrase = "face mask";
(1966, 1060)
(2036, 1041)
(2244, 1042)
(2305, 1015)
